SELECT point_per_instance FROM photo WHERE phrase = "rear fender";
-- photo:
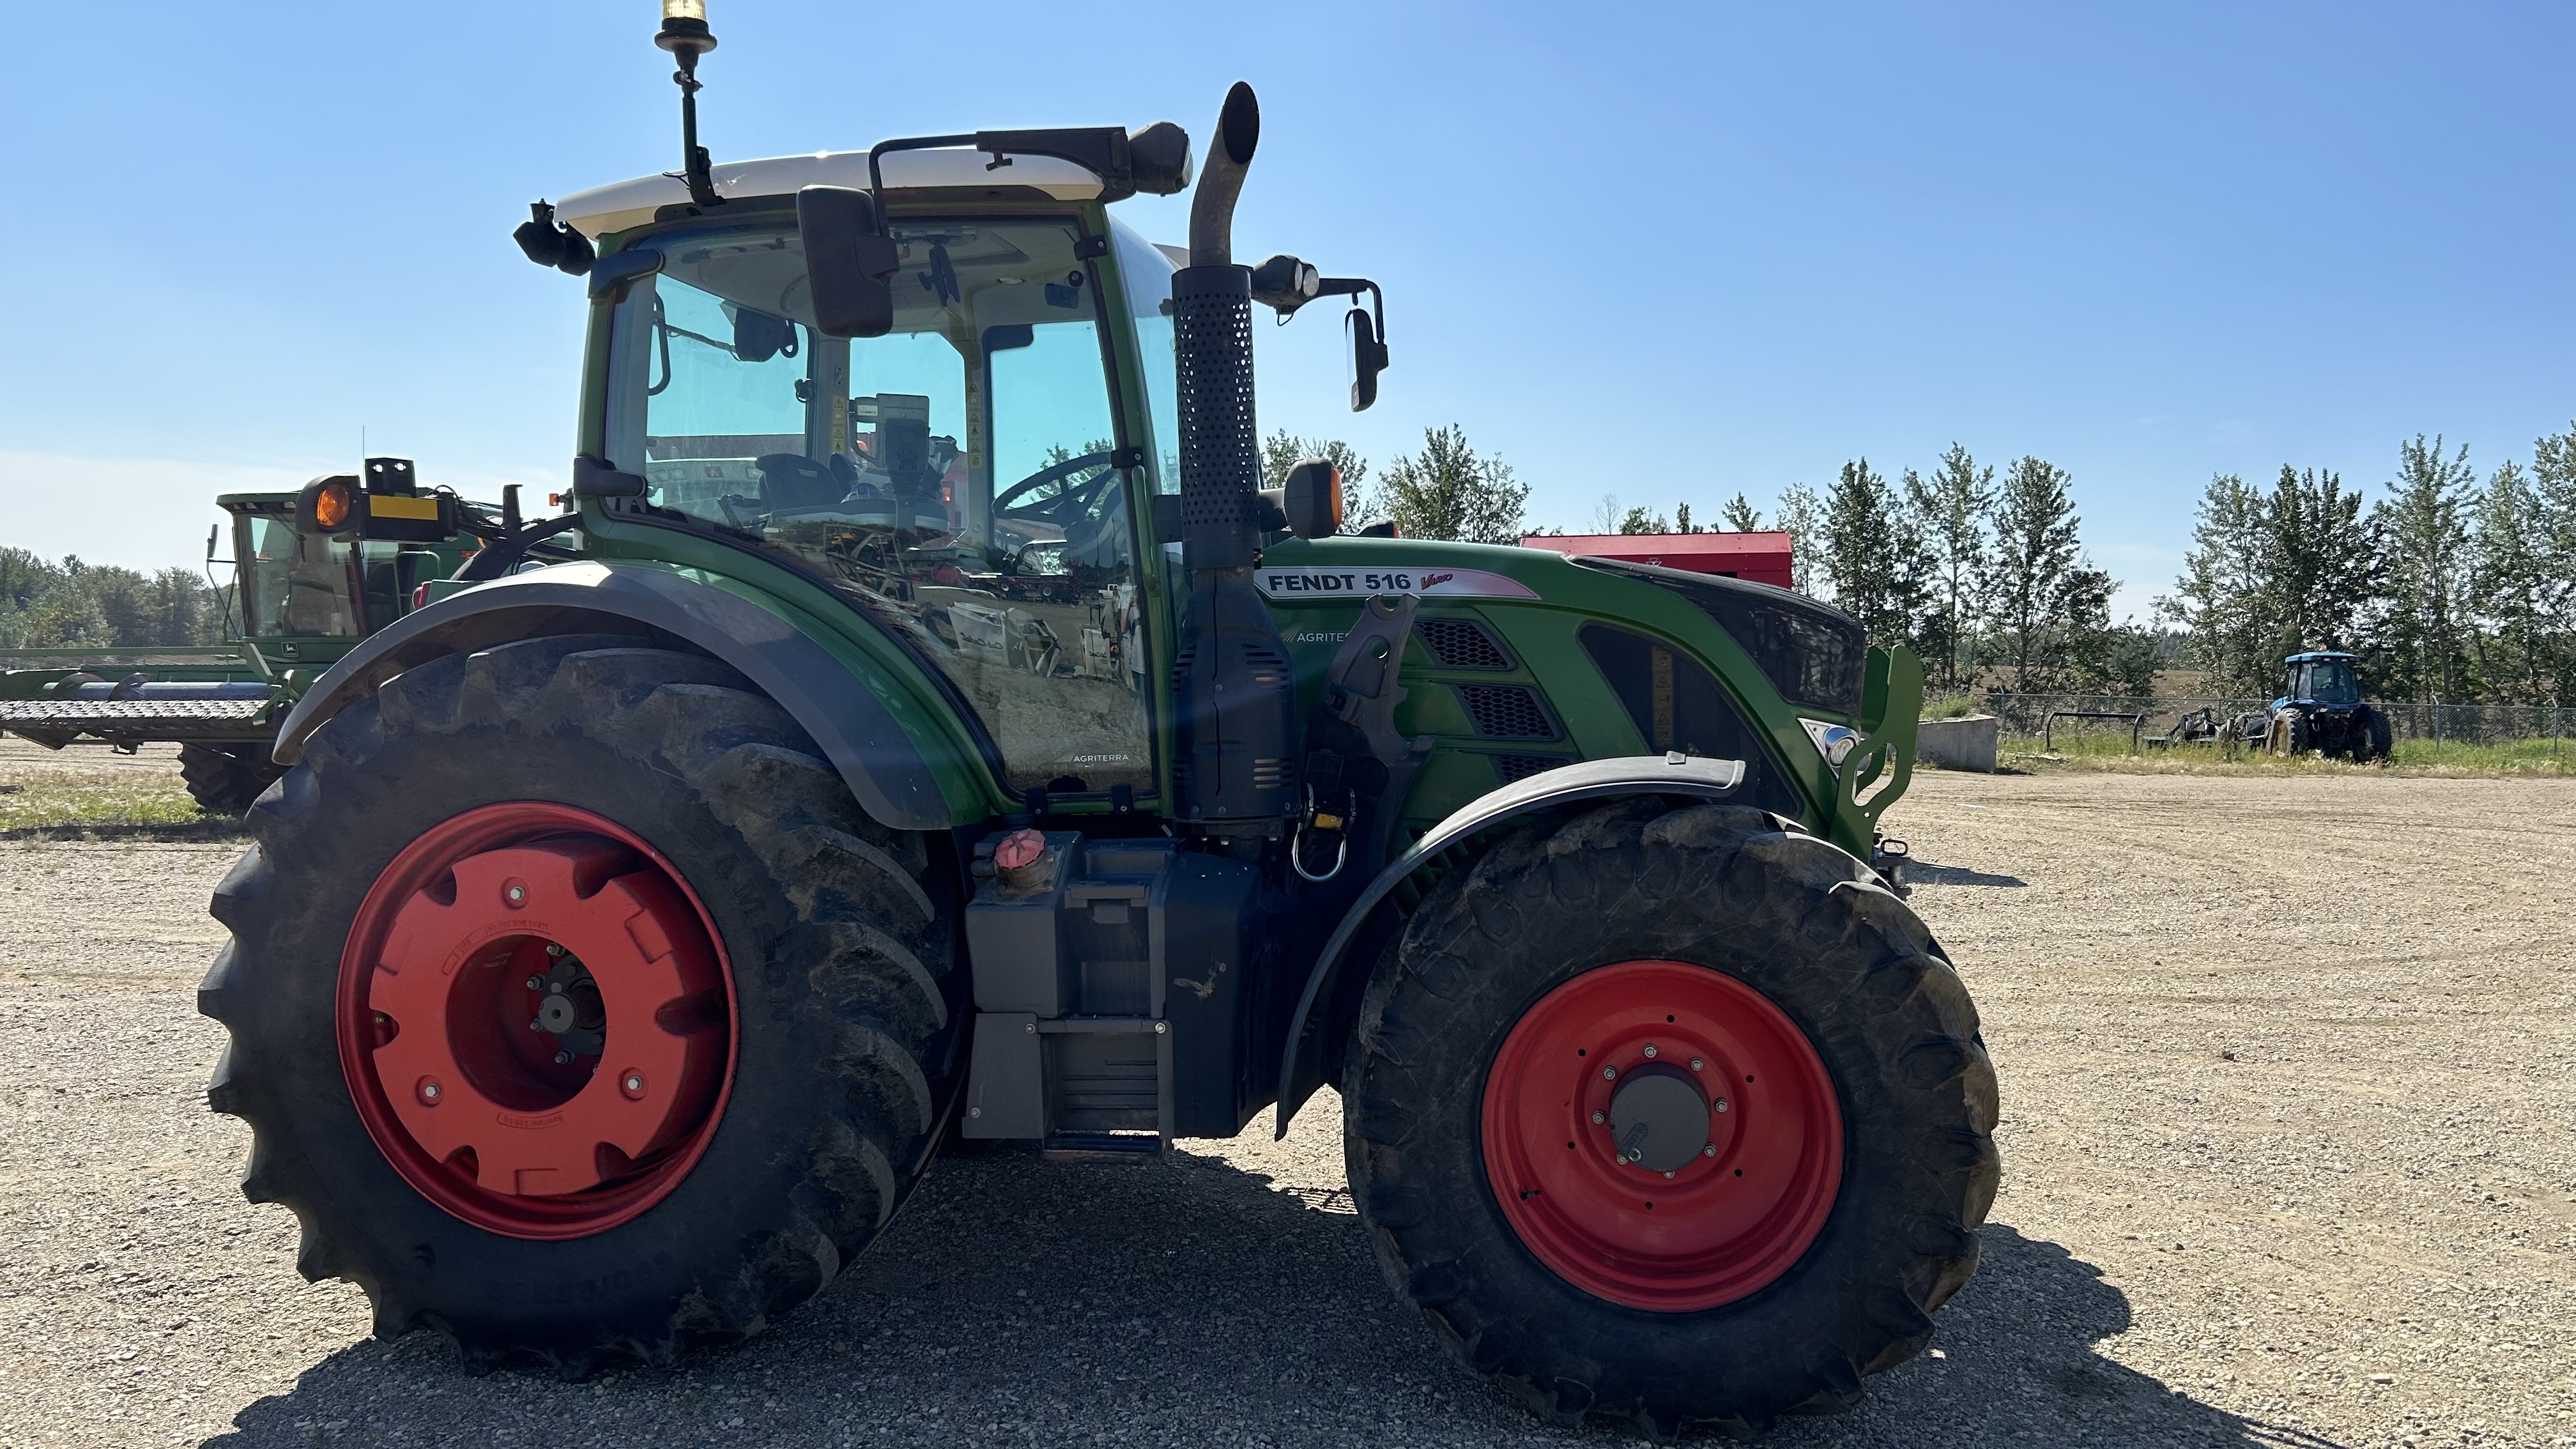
(1301, 1064)
(880, 763)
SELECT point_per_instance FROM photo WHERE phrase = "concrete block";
(1958, 744)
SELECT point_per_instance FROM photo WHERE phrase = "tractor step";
(1108, 984)
(1134, 1148)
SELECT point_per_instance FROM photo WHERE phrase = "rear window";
(1813, 654)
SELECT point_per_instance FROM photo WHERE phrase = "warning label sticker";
(1434, 583)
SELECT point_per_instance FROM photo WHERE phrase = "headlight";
(1833, 741)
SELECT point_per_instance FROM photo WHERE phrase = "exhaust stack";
(1238, 131)
(1234, 767)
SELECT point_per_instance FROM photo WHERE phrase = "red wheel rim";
(523, 913)
(1683, 1225)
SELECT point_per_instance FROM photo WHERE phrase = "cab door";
(964, 480)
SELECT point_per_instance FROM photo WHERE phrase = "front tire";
(1589, 1264)
(576, 1009)
(2289, 735)
(226, 779)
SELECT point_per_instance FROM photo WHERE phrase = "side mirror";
(1312, 499)
(1368, 357)
(759, 336)
(849, 261)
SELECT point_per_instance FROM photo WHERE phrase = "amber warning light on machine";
(327, 505)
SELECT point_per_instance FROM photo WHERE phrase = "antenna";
(684, 33)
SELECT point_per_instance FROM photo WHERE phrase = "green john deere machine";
(299, 597)
(941, 735)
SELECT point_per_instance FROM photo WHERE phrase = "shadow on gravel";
(1922, 872)
(1189, 1303)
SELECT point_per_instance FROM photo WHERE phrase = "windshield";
(955, 478)
(2330, 681)
(292, 583)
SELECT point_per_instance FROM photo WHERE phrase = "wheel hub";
(537, 1023)
(1658, 1120)
(1659, 1134)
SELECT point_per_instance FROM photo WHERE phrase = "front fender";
(852, 727)
(1301, 1060)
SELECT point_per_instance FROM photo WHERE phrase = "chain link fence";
(2475, 724)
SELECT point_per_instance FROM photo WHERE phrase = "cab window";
(294, 584)
(956, 479)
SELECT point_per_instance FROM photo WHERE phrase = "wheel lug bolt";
(536, 983)
(1650, 1048)
(564, 1058)
(1600, 1117)
(634, 1084)
(1609, 1074)
(1696, 1064)
(535, 1025)
(1721, 1104)
(1708, 1149)
(429, 1092)
(553, 949)
(518, 895)
(1668, 1177)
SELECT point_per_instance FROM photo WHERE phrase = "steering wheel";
(1069, 505)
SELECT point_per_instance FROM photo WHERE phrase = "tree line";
(2451, 590)
(1982, 572)
(73, 605)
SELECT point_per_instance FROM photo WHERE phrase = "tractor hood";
(1814, 654)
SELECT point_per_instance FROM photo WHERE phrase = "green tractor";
(942, 736)
(301, 595)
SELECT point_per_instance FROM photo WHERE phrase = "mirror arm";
(1352, 287)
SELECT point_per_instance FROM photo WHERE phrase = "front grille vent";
(1513, 768)
(1506, 711)
(1462, 644)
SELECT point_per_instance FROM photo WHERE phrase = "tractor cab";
(2323, 680)
(967, 479)
(302, 596)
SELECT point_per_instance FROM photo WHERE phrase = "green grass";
(1954, 706)
(2513, 757)
(72, 795)
(2108, 749)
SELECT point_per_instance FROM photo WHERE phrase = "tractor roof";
(604, 209)
(2314, 655)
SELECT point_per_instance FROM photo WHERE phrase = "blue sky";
(1664, 252)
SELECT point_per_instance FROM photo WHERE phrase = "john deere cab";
(300, 594)
(2322, 710)
(940, 734)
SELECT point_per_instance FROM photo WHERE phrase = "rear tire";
(226, 779)
(1824, 966)
(832, 935)
(2375, 744)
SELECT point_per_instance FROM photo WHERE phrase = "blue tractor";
(2322, 711)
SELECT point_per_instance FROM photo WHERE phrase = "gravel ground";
(2286, 1139)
